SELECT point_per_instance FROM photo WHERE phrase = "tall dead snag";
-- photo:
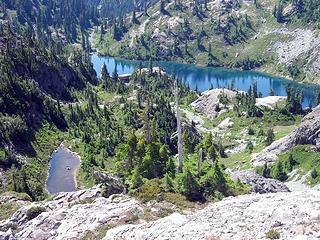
(180, 158)
(200, 162)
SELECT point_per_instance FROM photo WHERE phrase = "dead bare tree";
(180, 157)
(200, 162)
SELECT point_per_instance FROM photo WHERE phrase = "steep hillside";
(279, 38)
(34, 82)
(62, 20)
(115, 8)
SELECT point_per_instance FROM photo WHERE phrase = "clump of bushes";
(35, 212)
(273, 234)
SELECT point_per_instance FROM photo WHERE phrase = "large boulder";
(294, 215)
(307, 133)
(210, 99)
(111, 183)
(270, 101)
(226, 123)
(259, 183)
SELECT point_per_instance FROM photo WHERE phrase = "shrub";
(35, 212)
(178, 200)
(251, 131)
(314, 173)
(150, 190)
(249, 147)
(273, 234)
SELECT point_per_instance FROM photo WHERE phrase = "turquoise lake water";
(205, 77)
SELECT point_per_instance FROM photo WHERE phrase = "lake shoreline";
(204, 78)
(261, 70)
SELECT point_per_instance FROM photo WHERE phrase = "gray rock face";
(260, 184)
(210, 99)
(83, 214)
(307, 133)
(71, 215)
(294, 215)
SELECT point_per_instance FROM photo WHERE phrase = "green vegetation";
(7, 209)
(234, 35)
(98, 233)
(273, 234)
(49, 93)
(35, 83)
(34, 212)
(302, 158)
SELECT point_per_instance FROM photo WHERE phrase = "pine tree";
(270, 137)
(249, 147)
(200, 160)
(212, 154)
(168, 183)
(265, 171)
(132, 148)
(104, 72)
(136, 178)
(171, 167)
(115, 76)
(290, 163)
(189, 186)
(314, 173)
(215, 180)
(278, 172)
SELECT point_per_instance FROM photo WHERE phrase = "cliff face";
(86, 214)
(307, 133)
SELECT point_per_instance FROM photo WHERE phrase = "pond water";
(62, 170)
(205, 77)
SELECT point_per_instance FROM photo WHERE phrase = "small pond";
(62, 170)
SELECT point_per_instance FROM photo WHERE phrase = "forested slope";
(279, 37)
(38, 76)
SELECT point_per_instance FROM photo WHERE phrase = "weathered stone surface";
(210, 99)
(226, 123)
(260, 184)
(294, 215)
(72, 215)
(307, 133)
(270, 101)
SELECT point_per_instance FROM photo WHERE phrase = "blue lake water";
(205, 77)
(62, 169)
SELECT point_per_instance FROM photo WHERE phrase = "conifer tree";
(189, 186)
(270, 136)
(168, 184)
(136, 178)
